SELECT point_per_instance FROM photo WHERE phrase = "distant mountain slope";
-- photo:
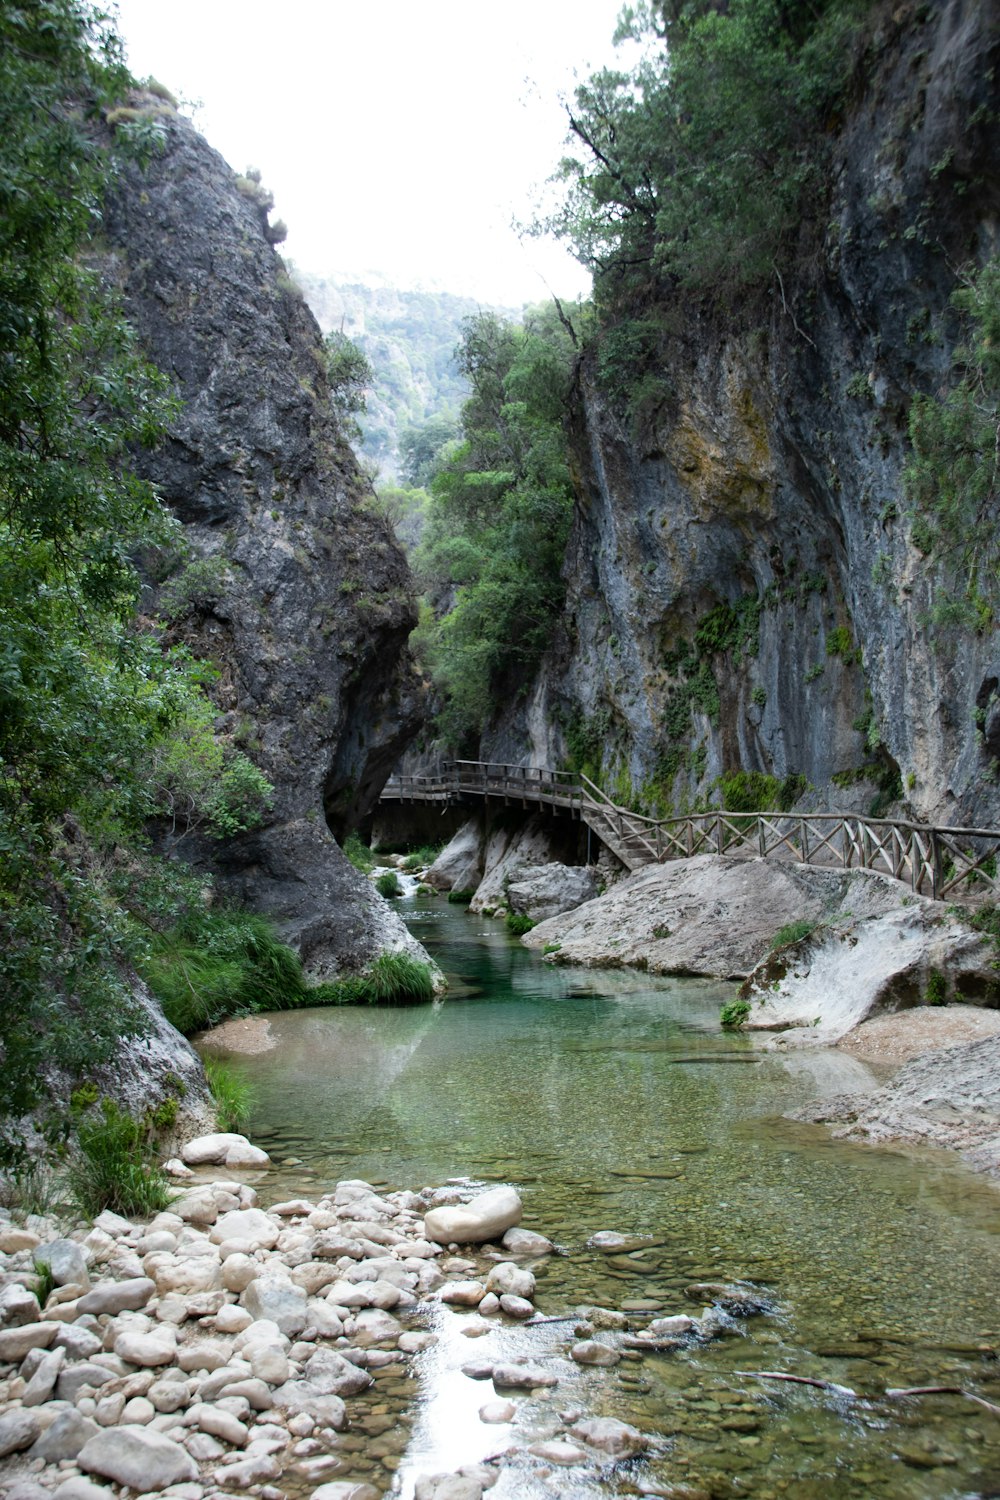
(410, 339)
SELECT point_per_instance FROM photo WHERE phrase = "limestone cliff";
(743, 588)
(299, 594)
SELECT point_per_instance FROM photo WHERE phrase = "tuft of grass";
(792, 932)
(231, 1094)
(518, 924)
(220, 963)
(112, 1168)
(31, 1187)
(388, 885)
(398, 979)
(44, 1281)
(460, 898)
(732, 1017)
(412, 863)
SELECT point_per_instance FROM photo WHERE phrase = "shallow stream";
(614, 1102)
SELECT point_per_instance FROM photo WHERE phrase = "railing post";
(718, 833)
(803, 841)
(937, 873)
(760, 835)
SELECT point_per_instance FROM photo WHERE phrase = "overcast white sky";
(399, 137)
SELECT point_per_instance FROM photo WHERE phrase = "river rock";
(447, 1487)
(117, 1296)
(18, 1429)
(738, 1301)
(278, 1301)
(269, 1363)
(42, 1383)
(506, 1278)
(74, 1378)
(18, 1306)
(211, 1150)
(497, 1411)
(250, 1224)
(521, 1377)
(145, 1461)
(485, 1217)
(526, 1242)
(665, 1328)
(549, 890)
(65, 1437)
(516, 1307)
(197, 1206)
(301, 1396)
(78, 1342)
(15, 1342)
(218, 1423)
(559, 1451)
(615, 1438)
(589, 1352)
(333, 1375)
(463, 1293)
(346, 1489)
(373, 1326)
(66, 1262)
(13, 1241)
(147, 1349)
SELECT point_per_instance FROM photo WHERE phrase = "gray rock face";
(767, 469)
(18, 1429)
(307, 604)
(550, 890)
(66, 1436)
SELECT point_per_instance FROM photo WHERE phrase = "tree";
(699, 164)
(85, 696)
(492, 551)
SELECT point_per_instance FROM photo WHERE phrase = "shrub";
(388, 885)
(460, 898)
(517, 923)
(792, 932)
(936, 992)
(112, 1169)
(733, 1015)
(231, 1094)
(412, 863)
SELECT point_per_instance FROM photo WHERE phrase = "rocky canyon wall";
(743, 589)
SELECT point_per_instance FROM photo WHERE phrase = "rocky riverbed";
(220, 1347)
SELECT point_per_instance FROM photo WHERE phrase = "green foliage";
(86, 697)
(349, 374)
(936, 992)
(397, 979)
(198, 781)
(45, 1281)
(388, 885)
(733, 1015)
(839, 642)
(217, 962)
(792, 932)
(112, 1169)
(518, 924)
(359, 854)
(196, 589)
(952, 479)
(758, 696)
(701, 163)
(492, 551)
(460, 898)
(755, 791)
(231, 1094)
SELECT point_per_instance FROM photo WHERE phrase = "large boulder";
(549, 890)
(485, 1217)
(459, 866)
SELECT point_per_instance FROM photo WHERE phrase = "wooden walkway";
(956, 864)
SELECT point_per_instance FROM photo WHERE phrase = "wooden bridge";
(957, 864)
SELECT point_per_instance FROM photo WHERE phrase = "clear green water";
(613, 1101)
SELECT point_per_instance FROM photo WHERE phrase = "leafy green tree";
(492, 552)
(423, 446)
(86, 698)
(700, 163)
(350, 374)
(953, 476)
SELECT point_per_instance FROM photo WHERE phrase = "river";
(613, 1101)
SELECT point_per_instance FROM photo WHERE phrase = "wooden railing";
(958, 864)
